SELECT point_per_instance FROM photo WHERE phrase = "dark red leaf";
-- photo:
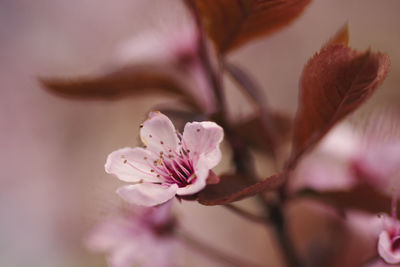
(255, 133)
(232, 23)
(233, 188)
(341, 37)
(129, 80)
(362, 197)
(335, 82)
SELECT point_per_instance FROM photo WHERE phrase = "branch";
(214, 253)
(246, 215)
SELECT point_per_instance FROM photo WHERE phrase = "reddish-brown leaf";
(362, 197)
(341, 37)
(129, 80)
(231, 23)
(255, 133)
(335, 82)
(233, 188)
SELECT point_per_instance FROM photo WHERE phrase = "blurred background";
(53, 187)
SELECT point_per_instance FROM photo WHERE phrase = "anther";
(145, 158)
(158, 176)
(125, 161)
(152, 170)
(161, 142)
(150, 136)
(141, 126)
(198, 130)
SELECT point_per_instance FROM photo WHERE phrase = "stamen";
(191, 178)
(136, 168)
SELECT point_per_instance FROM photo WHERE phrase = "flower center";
(174, 167)
(179, 171)
(395, 238)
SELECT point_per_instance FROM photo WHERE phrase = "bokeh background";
(53, 187)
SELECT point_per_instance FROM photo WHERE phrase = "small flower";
(327, 167)
(389, 245)
(136, 238)
(176, 46)
(170, 164)
(389, 238)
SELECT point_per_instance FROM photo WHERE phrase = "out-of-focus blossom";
(389, 245)
(378, 159)
(389, 238)
(327, 167)
(346, 158)
(170, 164)
(177, 46)
(139, 237)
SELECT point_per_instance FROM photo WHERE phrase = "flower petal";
(204, 138)
(131, 165)
(127, 254)
(385, 249)
(147, 194)
(158, 133)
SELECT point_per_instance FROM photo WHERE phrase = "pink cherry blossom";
(170, 164)
(136, 238)
(328, 166)
(177, 45)
(389, 238)
(346, 157)
(389, 241)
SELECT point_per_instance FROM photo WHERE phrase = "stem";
(394, 204)
(255, 92)
(245, 214)
(241, 156)
(213, 77)
(279, 223)
(214, 253)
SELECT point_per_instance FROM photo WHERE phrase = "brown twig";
(214, 253)
(245, 214)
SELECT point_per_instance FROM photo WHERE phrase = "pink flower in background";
(178, 46)
(389, 241)
(328, 166)
(139, 237)
(346, 158)
(170, 164)
(389, 238)
(378, 159)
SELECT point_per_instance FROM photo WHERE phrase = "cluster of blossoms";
(345, 160)
(171, 164)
